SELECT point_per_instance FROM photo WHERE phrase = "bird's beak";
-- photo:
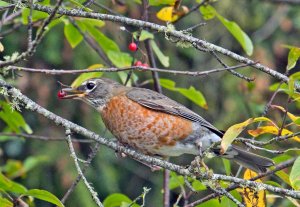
(72, 93)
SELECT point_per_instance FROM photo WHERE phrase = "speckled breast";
(142, 128)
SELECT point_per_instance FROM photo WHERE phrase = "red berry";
(145, 65)
(138, 63)
(61, 94)
(132, 46)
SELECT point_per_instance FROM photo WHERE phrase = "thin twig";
(222, 191)
(191, 10)
(92, 43)
(233, 72)
(73, 155)
(29, 44)
(113, 69)
(44, 138)
(263, 143)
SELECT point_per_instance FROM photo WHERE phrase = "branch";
(293, 2)
(73, 155)
(262, 143)
(44, 138)
(113, 69)
(195, 42)
(31, 105)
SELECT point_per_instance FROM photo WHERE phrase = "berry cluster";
(139, 63)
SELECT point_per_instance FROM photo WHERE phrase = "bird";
(154, 124)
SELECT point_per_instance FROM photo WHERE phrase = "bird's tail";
(248, 160)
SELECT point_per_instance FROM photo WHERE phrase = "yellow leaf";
(263, 130)
(165, 14)
(271, 130)
(291, 116)
(262, 118)
(253, 198)
(232, 133)
(236, 129)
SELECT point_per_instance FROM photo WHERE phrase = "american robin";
(156, 125)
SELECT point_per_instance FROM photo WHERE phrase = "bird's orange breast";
(143, 128)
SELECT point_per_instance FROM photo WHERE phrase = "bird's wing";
(159, 102)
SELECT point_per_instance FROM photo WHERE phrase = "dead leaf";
(251, 197)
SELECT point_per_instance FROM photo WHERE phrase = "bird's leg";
(200, 159)
(153, 168)
(118, 153)
(123, 155)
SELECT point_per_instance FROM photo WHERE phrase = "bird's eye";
(90, 85)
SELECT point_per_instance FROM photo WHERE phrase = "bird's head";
(94, 91)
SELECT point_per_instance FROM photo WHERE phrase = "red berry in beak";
(61, 94)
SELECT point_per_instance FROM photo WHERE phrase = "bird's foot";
(153, 168)
(198, 163)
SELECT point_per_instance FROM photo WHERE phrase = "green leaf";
(198, 186)
(13, 118)
(175, 180)
(227, 166)
(164, 60)
(208, 12)
(238, 34)
(212, 202)
(144, 35)
(13, 168)
(194, 95)
(297, 121)
(72, 34)
(78, 4)
(118, 199)
(3, 3)
(92, 22)
(44, 195)
(168, 84)
(269, 182)
(282, 87)
(123, 77)
(295, 76)
(191, 93)
(293, 57)
(5, 202)
(119, 59)
(161, 2)
(33, 161)
(291, 85)
(85, 76)
(36, 15)
(295, 174)
(105, 43)
(11, 186)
